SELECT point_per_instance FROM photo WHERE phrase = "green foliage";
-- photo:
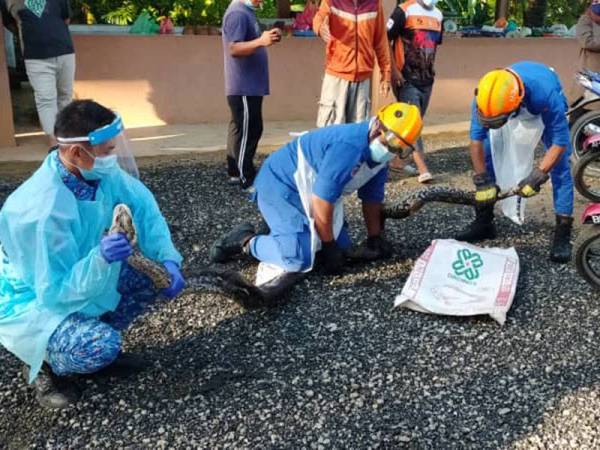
(567, 12)
(557, 11)
(182, 12)
(268, 10)
(478, 12)
(469, 12)
(123, 15)
(482, 14)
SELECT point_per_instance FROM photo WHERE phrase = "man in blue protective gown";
(66, 290)
(513, 109)
(299, 192)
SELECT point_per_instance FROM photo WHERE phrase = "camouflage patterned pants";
(83, 345)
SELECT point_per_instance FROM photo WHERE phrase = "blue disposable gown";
(51, 264)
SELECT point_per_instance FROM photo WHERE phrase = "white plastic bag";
(513, 146)
(458, 279)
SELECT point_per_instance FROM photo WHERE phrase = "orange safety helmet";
(498, 95)
(401, 125)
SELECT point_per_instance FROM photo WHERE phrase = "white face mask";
(249, 4)
(379, 152)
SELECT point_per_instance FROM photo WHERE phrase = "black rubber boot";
(273, 291)
(232, 244)
(53, 391)
(481, 228)
(561, 245)
(263, 228)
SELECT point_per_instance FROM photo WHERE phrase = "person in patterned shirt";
(414, 32)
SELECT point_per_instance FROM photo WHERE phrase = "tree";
(502, 9)
(283, 8)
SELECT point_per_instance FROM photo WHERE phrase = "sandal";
(408, 169)
(425, 178)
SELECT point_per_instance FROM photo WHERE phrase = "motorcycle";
(584, 123)
(586, 250)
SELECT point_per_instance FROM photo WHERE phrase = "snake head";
(122, 222)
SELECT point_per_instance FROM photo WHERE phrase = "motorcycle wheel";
(586, 176)
(576, 132)
(586, 254)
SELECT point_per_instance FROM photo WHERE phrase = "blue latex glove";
(177, 281)
(115, 247)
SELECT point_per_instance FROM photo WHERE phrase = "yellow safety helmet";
(498, 95)
(401, 125)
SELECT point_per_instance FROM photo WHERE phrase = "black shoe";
(53, 391)
(263, 228)
(561, 245)
(232, 244)
(481, 228)
(125, 365)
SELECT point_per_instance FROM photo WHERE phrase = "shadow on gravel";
(336, 366)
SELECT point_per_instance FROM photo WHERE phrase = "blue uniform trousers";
(288, 244)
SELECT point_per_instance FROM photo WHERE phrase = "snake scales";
(227, 282)
(122, 222)
(232, 283)
(415, 200)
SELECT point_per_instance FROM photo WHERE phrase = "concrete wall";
(179, 79)
(6, 117)
(462, 61)
(152, 80)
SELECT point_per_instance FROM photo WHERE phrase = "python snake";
(232, 283)
(226, 282)
(414, 201)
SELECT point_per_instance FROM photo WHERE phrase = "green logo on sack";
(467, 264)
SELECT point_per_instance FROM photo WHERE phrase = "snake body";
(232, 283)
(122, 222)
(414, 201)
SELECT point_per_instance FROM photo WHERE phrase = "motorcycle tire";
(587, 237)
(589, 158)
(577, 135)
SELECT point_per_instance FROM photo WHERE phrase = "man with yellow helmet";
(299, 191)
(503, 98)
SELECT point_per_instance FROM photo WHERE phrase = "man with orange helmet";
(300, 189)
(509, 98)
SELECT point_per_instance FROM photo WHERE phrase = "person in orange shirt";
(355, 34)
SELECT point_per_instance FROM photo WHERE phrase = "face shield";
(112, 132)
(495, 122)
(396, 144)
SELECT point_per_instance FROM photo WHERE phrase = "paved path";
(200, 138)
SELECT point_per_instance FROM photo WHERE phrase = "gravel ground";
(337, 367)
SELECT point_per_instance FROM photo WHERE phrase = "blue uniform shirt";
(543, 96)
(335, 153)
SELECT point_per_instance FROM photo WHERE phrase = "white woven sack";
(458, 279)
